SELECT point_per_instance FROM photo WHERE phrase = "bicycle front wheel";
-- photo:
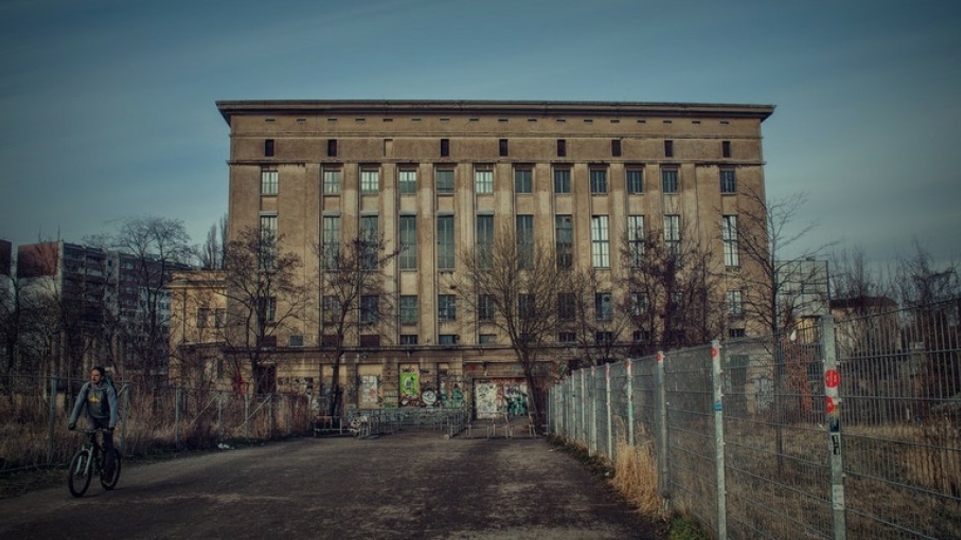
(78, 476)
(110, 482)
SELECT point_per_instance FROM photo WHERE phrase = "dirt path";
(409, 485)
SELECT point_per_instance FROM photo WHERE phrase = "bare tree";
(155, 247)
(212, 251)
(594, 317)
(514, 287)
(265, 298)
(920, 282)
(354, 300)
(765, 231)
(674, 298)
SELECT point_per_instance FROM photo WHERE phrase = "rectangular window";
(603, 338)
(502, 147)
(734, 307)
(330, 306)
(331, 147)
(268, 147)
(220, 318)
(726, 149)
(564, 240)
(567, 337)
(446, 307)
(562, 180)
(369, 180)
(525, 241)
(203, 315)
(407, 181)
(268, 182)
(486, 339)
(483, 180)
(729, 235)
(331, 181)
(331, 242)
(484, 238)
(267, 308)
(668, 148)
(566, 307)
(672, 234)
(408, 242)
(600, 242)
(635, 240)
(295, 340)
(639, 305)
(370, 341)
(728, 181)
(369, 308)
(409, 310)
(603, 307)
(635, 180)
(445, 242)
(669, 181)
(448, 339)
(561, 147)
(523, 181)
(408, 339)
(616, 147)
(444, 178)
(525, 306)
(369, 241)
(268, 240)
(485, 307)
(598, 181)
(736, 333)
(445, 148)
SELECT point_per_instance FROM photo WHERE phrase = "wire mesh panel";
(775, 442)
(901, 410)
(620, 407)
(690, 424)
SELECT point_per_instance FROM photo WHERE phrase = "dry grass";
(635, 477)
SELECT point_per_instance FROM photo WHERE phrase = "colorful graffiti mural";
(496, 397)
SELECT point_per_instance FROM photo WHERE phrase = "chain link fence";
(839, 429)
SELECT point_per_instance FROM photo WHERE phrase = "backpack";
(108, 380)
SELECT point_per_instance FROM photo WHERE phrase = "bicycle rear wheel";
(78, 476)
(111, 482)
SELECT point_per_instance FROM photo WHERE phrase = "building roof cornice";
(490, 107)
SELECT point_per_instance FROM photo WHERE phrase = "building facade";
(434, 178)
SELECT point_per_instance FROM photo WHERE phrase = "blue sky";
(108, 106)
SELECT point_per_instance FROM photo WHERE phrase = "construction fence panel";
(836, 429)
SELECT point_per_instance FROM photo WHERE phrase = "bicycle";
(89, 461)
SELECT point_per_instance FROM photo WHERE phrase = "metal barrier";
(848, 429)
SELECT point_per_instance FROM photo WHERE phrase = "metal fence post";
(247, 413)
(663, 481)
(53, 417)
(177, 417)
(582, 425)
(592, 428)
(610, 412)
(717, 378)
(832, 380)
(630, 403)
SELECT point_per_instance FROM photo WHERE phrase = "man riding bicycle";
(101, 401)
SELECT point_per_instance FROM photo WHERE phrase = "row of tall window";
(446, 248)
(503, 148)
(410, 308)
(484, 180)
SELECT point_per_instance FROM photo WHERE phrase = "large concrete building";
(432, 176)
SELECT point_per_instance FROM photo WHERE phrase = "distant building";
(102, 301)
(438, 177)
(804, 292)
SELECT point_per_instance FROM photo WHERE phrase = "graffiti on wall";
(496, 397)
(409, 388)
(369, 386)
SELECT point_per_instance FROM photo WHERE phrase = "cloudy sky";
(107, 107)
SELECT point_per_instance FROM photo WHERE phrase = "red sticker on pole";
(829, 404)
(832, 378)
(713, 352)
